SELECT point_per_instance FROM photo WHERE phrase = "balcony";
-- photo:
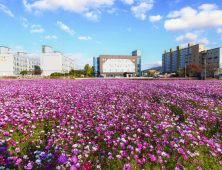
(203, 52)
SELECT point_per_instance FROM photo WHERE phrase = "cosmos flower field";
(110, 124)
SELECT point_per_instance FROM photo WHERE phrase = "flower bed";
(110, 124)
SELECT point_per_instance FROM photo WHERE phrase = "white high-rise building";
(13, 64)
(54, 62)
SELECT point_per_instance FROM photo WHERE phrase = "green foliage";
(9, 77)
(150, 73)
(179, 73)
(77, 73)
(38, 71)
(57, 74)
(24, 72)
(88, 70)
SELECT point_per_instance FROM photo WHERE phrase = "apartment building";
(174, 60)
(54, 62)
(212, 56)
(118, 65)
(13, 64)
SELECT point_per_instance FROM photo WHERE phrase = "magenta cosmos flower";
(124, 153)
(153, 158)
(73, 168)
(17, 149)
(74, 159)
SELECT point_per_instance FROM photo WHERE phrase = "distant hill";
(157, 68)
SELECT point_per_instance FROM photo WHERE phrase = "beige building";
(174, 60)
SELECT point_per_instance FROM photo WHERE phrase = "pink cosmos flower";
(124, 153)
(160, 160)
(74, 159)
(17, 149)
(73, 168)
(153, 158)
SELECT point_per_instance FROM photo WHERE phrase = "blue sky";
(87, 28)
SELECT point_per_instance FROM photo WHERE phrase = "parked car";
(101, 76)
(155, 77)
(220, 77)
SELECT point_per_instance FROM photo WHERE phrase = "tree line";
(194, 70)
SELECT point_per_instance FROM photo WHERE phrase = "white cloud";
(187, 37)
(80, 60)
(221, 38)
(155, 18)
(40, 30)
(54, 37)
(125, 10)
(171, 3)
(111, 10)
(25, 24)
(33, 26)
(129, 2)
(35, 56)
(93, 16)
(98, 42)
(84, 38)
(15, 49)
(155, 27)
(6, 10)
(184, 45)
(214, 43)
(219, 30)
(50, 37)
(65, 28)
(207, 16)
(152, 64)
(47, 37)
(201, 41)
(78, 6)
(38, 13)
(139, 11)
(24, 19)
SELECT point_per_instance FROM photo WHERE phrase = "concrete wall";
(46, 49)
(6, 65)
(51, 63)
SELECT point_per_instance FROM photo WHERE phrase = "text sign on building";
(118, 65)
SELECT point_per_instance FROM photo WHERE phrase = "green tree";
(24, 72)
(38, 71)
(150, 73)
(72, 72)
(180, 73)
(87, 69)
(93, 71)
